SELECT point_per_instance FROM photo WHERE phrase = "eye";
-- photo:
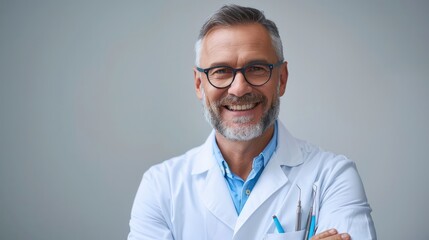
(257, 69)
(221, 73)
(220, 70)
(254, 68)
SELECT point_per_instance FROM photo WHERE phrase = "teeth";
(241, 107)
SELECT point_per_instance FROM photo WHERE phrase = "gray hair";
(230, 15)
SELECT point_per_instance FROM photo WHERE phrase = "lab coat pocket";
(299, 235)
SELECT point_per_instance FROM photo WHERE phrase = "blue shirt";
(238, 188)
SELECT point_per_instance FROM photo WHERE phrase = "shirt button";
(247, 192)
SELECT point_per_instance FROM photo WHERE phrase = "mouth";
(241, 107)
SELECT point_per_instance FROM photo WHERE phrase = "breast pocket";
(299, 235)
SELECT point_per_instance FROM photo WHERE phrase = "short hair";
(230, 15)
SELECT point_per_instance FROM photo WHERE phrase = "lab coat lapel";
(214, 191)
(271, 180)
(217, 198)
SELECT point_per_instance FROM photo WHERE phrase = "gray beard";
(243, 133)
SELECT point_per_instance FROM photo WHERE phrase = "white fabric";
(187, 198)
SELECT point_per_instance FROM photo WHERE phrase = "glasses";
(256, 74)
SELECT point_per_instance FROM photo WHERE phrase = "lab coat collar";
(289, 151)
(288, 148)
(206, 159)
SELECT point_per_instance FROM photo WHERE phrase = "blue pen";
(307, 226)
(278, 225)
(312, 226)
(311, 220)
(313, 215)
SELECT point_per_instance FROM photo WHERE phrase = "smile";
(243, 107)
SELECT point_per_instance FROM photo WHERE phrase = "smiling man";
(250, 168)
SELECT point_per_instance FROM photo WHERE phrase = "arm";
(343, 203)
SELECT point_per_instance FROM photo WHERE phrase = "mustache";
(245, 99)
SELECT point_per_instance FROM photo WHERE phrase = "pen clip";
(298, 212)
(314, 199)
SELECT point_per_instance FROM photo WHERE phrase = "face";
(240, 112)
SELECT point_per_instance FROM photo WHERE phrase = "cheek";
(213, 95)
(270, 99)
(210, 101)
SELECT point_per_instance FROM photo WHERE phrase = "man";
(250, 168)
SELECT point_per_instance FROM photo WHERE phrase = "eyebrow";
(256, 61)
(218, 64)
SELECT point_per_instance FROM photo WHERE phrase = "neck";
(240, 154)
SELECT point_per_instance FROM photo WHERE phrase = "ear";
(284, 73)
(197, 84)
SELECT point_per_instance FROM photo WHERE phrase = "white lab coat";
(187, 197)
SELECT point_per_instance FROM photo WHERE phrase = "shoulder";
(333, 172)
(317, 155)
(326, 163)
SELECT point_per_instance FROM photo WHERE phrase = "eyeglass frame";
(271, 66)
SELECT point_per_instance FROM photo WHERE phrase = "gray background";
(92, 93)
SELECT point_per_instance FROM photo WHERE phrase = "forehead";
(237, 44)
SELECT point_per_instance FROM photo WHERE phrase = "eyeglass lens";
(254, 74)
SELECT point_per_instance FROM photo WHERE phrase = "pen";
(311, 220)
(307, 226)
(313, 214)
(312, 226)
(278, 225)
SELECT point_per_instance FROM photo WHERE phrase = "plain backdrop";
(92, 93)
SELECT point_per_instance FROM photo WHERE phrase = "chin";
(245, 132)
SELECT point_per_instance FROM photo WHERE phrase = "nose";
(239, 86)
